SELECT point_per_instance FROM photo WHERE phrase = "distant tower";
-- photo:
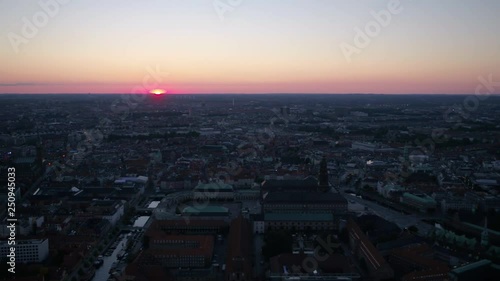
(285, 111)
(323, 176)
(39, 157)
(124, 166)
(484, 234)
(233, 102)
(405, 152)
(39, 152)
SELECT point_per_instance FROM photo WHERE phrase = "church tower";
(39, 153)
(405, 153)
(484, 234)
(323, 176)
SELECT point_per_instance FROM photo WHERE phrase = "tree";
(323, 175)
(343, 236)
(308, 230)
(277, 242)
(34, 228)
(58, 258)
(259, 179)
(413, 229)
(145, 241)
(362, 264)
(129, 244)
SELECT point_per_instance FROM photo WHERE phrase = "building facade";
(27, 251)
(214, 191)
(368, 256)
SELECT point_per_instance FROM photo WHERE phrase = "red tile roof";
(373, 256)
(239, 254)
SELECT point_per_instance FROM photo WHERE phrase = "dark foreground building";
(239, 251)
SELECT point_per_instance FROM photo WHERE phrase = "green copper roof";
(424, 198)
(205, 209)
(298, 217)
(471, 266)
(213, 187)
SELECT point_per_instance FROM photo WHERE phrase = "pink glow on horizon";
(399, 87)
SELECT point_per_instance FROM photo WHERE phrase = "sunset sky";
(259, 46)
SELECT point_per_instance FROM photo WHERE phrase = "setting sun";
(157, 91)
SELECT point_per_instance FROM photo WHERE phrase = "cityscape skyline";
(265, 187)
(249, 140)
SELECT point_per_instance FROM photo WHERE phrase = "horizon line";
(174, 94)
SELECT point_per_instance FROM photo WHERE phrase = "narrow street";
(102, 273)
(258, 242)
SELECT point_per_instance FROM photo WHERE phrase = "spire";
(405, 152)
(323, 175)
(39, 150)
(484, 234)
